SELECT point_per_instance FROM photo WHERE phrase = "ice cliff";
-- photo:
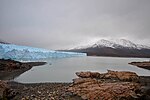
(16, 52)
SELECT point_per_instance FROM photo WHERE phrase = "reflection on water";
(63, 70)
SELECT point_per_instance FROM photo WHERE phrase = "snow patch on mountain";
(105, 43)
(112, 43)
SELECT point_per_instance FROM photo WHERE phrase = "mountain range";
(113, 48)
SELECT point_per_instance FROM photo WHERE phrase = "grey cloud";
(55, 24)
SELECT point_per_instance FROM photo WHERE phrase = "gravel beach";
(144, 64)
(42, 91)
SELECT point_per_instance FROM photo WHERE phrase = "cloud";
(56, 24)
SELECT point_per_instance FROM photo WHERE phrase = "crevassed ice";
(11, 51)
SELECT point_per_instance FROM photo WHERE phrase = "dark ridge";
(114, 52)
(3, 42)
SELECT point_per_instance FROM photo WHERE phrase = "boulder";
(92, 90)
(122, 75)
(112, 85)
(88, 74)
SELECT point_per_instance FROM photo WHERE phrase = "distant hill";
(113, 48)
(3, 42)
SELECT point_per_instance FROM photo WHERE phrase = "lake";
(63, 70)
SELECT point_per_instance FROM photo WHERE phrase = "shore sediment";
(9, 69)
(145, 64)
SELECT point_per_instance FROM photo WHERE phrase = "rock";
(83, 80)
(11, 93)
(144, 64)
(39, 92)
(122, 75)
(6, 92)
(9, 64)
(23, 99)
(105, 91)
(146, 91)
(88, 74)
(96, 86)
(33, 96)
(3, 89)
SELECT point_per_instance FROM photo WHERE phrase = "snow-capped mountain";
(113, 43)
(113, 47)
(16, 52)
(129, 44)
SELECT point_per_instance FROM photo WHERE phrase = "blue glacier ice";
(16, 52)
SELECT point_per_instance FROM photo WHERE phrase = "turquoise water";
(63, 70)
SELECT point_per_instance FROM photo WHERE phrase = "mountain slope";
(117, 48)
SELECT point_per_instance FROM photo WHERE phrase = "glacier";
(17, 52)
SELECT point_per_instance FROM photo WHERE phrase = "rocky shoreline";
(10, 69)
(112, 85)
(10, 90)
(145, 64)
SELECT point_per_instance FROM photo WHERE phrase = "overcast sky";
(56, 24)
